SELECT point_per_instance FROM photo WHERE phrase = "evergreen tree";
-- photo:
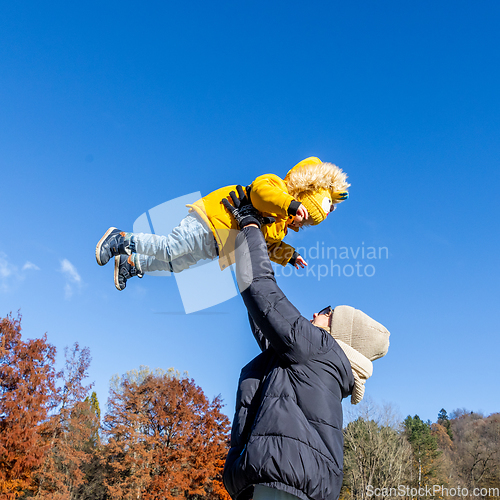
(445, 422)
(93, 486)
(95, 409)
(424, 447)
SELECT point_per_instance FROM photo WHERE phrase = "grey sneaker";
(111, 244)
(124, 271)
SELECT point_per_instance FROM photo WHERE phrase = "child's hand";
(300, 262)
(300, 217)
(302, 212)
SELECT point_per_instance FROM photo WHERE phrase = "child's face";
(298, 222)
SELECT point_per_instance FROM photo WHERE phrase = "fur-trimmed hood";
(312, 175)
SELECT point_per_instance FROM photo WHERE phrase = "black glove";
(293, 260)
(243, 210)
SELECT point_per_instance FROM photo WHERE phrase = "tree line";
(458, 456)
(161, 438)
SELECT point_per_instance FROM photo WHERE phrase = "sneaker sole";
(98, 246)
(117, 272)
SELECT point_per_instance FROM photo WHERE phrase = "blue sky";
(108, 110)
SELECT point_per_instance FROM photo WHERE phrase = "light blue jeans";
(188, 243)
(265, 493)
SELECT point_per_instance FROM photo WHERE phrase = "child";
(306, 196)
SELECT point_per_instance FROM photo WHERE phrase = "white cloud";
(30, 265)
(72, 277)
(9, 274)
(70, 271)
(6, 268)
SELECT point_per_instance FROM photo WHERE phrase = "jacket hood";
(312, 175)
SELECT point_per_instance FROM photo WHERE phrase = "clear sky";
(108, 109)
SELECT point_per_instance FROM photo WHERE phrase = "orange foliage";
(443, 439)
(27, 385)
(165, 440)
(69, 432)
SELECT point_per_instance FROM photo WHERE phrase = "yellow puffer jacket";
(269, 195)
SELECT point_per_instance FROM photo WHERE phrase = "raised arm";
(261, 340)
(292, 336)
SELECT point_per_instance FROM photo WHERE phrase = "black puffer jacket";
(287, 430)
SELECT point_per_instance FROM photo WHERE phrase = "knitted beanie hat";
(318, 204)
(363, 340)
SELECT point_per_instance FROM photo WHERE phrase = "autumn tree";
(70, 432)
(165, 439)
(27, 386)
(476, 450)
